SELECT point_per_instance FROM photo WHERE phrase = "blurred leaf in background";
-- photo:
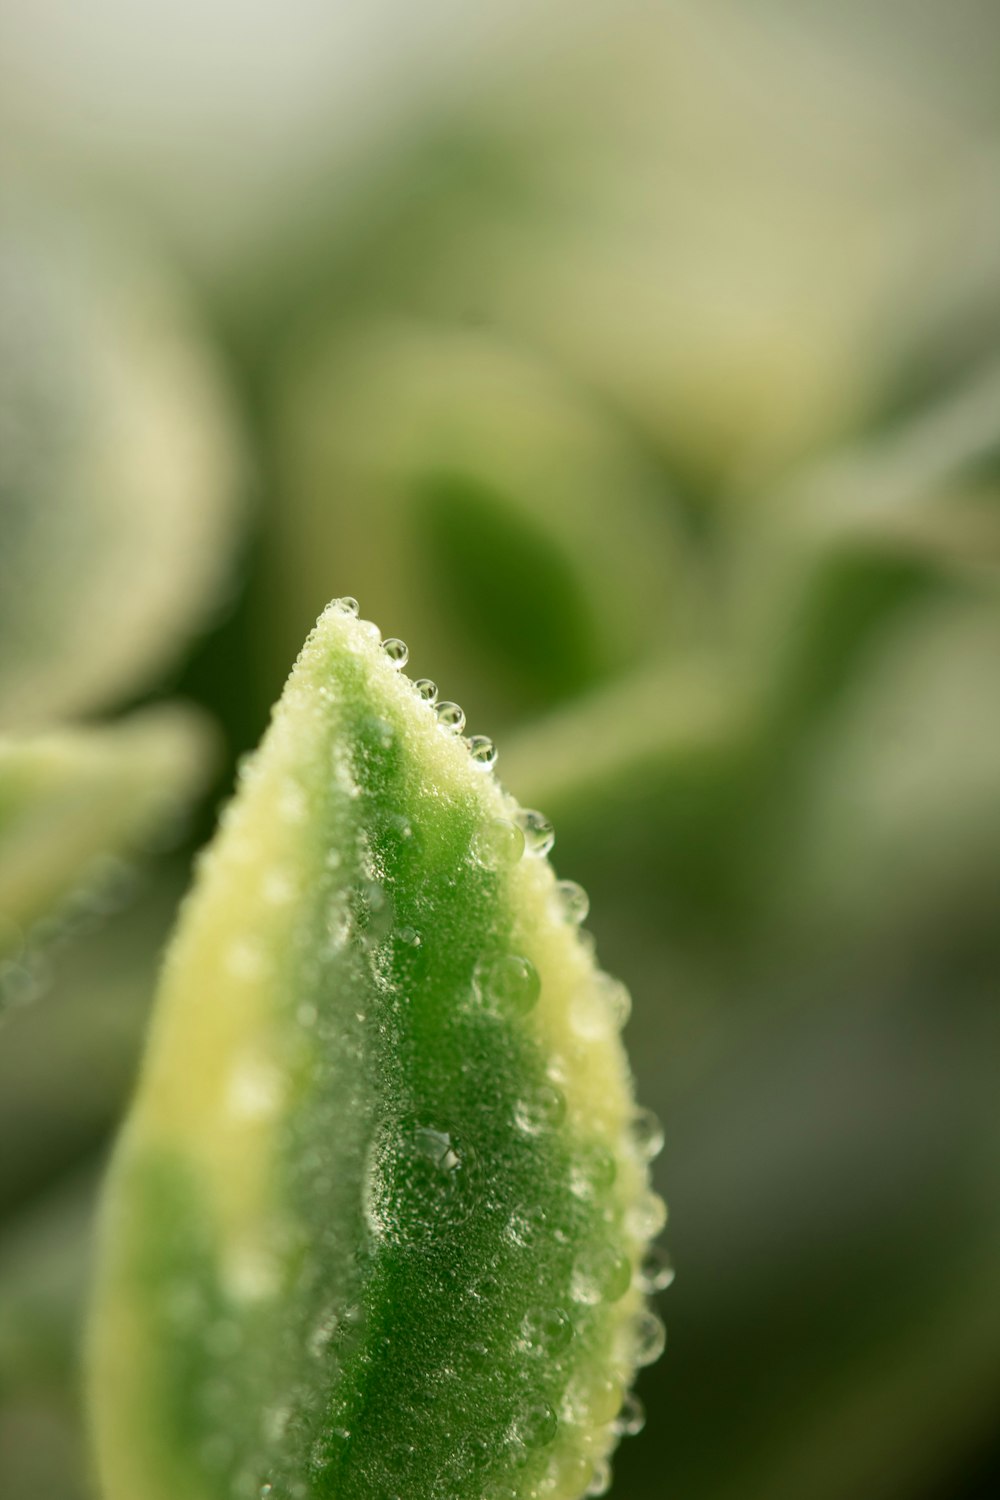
(638, 366)
(77, 808)
(121, 498)
(463, 488)
(119, 476)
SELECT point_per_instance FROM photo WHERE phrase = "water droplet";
(546, 1330)
(375, 913)
(572, 901)
(450, 717)
(397, 651)
(593, 1171)
(632, 1417)
(545, 1109)
(345, 606)
(537, 1426)
(497, 843)
(436, 1146)
(647, 1134)
(604, 1400)
(411, 952)
(539, 835)
(601, 1274)
(647, 1216)
(656, 1272)
(616, 999)
(508, 981)
(426, 689)
(600, 1479)
(482, 751)
(649, 1338)
(266, 1491)
(420, 1184)
(587, 1403)
(568, 1474)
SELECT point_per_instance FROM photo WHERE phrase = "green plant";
(379, 1224)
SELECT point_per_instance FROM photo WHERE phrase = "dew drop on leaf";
(649, 1338)
(539, 835)
(656, 1272)
(601, 1273)
(647, 1216)
(497, 843)
(632, 1417)
(397, 651)
(542, 1110)
(508, 981)
(600, 1481)
(482, 751)
(647, 1134)
(450, 716)
(572, 901)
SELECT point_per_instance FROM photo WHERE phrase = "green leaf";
(119, 471)
(379, 1222)
(847, 548)
(76, 807)
(464, 484)
(599, 746)
(68, 1065)
(898, 821)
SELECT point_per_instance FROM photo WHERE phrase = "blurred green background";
(640, 366)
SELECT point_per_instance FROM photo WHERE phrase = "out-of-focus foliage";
(67, 1063)
(639, 365)
(118, 478)
(465, 488)
(75, 805)
(67, 1066)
